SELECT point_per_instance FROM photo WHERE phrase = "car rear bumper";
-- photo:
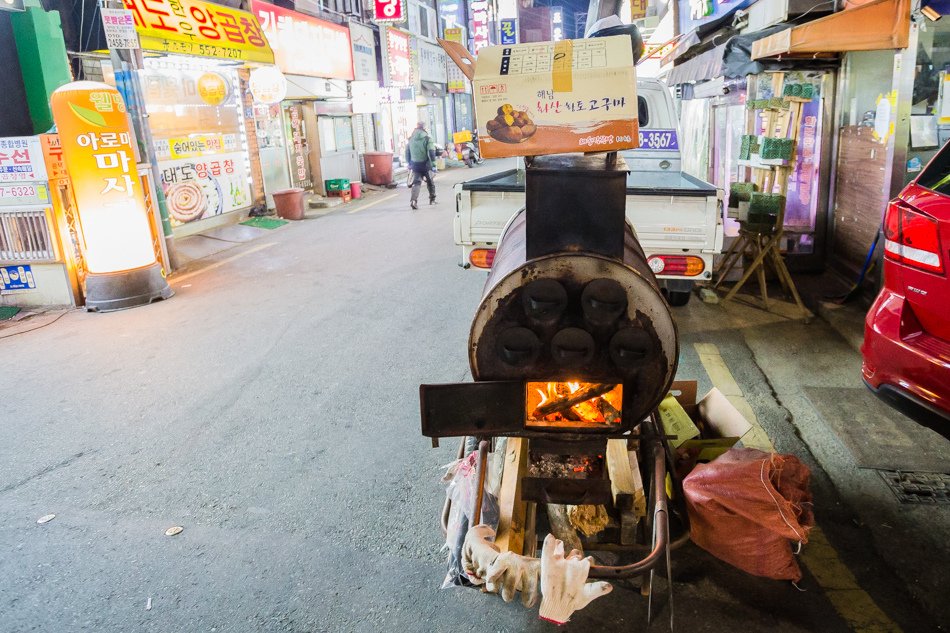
(915, 365)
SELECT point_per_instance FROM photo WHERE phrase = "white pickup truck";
(677, 218)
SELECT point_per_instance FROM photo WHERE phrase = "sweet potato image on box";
(511, 126)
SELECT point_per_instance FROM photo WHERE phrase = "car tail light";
(912, 238)
(685, 265)
(482, 257)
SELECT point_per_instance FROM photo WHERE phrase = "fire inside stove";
(573, 404)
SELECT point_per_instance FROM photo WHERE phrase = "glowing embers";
(583, 405)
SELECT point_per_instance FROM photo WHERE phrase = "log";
(588, 519)
(562, 529)
(568, 401)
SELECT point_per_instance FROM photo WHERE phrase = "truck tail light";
(482, 257)
(912, 238)
(684, 265)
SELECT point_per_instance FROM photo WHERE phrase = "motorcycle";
(470, 154)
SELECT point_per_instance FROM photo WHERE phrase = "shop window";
(643, 113)
(327, 134)
(930, 102)
(343, 133)
(196, 117)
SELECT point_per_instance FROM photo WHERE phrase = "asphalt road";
(270, 408)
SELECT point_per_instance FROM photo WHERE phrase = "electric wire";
(51, 322)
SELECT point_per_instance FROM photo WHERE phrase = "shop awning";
(700, 68)
(877, 25)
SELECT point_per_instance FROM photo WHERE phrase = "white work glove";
(564, 586)
(478, 553)
(511, 573)
(505, 573)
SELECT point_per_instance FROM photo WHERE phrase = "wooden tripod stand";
(763, 244)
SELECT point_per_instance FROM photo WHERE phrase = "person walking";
(420, 154)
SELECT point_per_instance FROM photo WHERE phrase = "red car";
(907, 331)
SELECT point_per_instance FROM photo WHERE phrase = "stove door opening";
(573, 405)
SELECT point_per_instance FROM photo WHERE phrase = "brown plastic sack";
(748, 507)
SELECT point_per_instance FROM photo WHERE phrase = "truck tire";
(677, 298)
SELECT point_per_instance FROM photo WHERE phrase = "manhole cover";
(915, 487)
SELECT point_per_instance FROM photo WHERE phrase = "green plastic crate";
(337, 184)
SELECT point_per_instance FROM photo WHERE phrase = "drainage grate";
(916, 487)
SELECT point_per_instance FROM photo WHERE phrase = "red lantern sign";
(389, 11)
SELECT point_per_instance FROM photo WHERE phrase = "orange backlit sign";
(97, 150)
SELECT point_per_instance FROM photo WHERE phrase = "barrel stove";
(572, 344)
(569, 299)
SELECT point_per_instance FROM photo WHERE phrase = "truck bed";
(669, 211)
(638, 183)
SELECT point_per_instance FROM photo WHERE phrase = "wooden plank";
(622, 483)
(639, 497)
(530, 547)
(511, 509)
(626, 484)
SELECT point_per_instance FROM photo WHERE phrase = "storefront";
(398, 112)
(720, 85)
(195, 95)
(887, 115)
(431, 88)
(364, 91)
(312, 126)
(197, 119)
(460, 111)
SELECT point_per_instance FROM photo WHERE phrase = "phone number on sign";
(18, 191)
(658, 139)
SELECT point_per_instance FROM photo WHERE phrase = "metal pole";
(127, 63)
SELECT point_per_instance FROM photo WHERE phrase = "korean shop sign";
(304, 45)
(195, 27)
(21, 159)
(398, 64)
(509, 31)
(98, 150)
(389, 11)
(456, 78)
(480, 37)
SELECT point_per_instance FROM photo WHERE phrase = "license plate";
(658, 139)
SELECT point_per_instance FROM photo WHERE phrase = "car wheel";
(678, 298)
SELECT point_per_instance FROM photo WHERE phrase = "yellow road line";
(722, 378)
(373, 203)
(835, 579)
(174, 279)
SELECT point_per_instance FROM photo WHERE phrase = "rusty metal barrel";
(589, 312)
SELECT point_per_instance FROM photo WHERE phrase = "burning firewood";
(567, 401)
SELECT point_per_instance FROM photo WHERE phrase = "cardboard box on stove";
(566, 96)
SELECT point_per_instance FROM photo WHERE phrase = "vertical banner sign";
(297, 151)
(398, 62)
(509, 31)
(456, 78)
(389, 11)
(557, 24)
(480, 36)
(97, 147)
